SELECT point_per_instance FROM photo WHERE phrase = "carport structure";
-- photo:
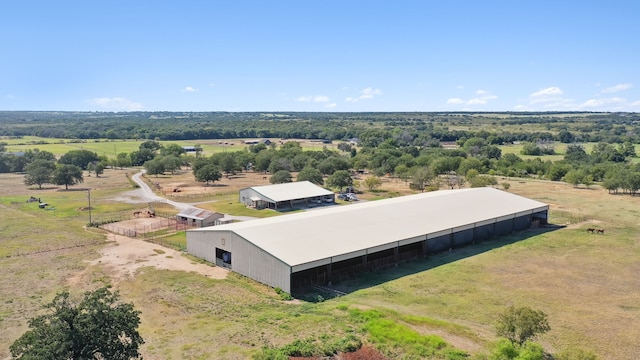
(287, 195)
(322, 246)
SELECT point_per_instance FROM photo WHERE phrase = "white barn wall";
(246, 258)
(246, 194)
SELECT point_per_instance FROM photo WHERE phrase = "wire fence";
(41, 250)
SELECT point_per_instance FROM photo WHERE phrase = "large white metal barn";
(321, 246)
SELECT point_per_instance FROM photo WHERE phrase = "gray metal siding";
(504, 227)
(462, 238)
(522, 222)
(248, 193)
(484, 232)
(246, 258)
(439, 243)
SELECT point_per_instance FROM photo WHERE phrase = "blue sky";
(95, 55)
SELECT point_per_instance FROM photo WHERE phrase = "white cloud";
(616, 88)
(331, 106)
(317, 98)
(365, 94)
(550, 91)
(635, 103)
(599, 103)
(521, 108)
(483, 99)
(189, 89)
(371, 91)
(455, 101)
(460, 87)
(550, 97)
(476, 101)
(115, 104)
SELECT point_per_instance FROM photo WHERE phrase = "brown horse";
(600, 231)
(137, 213)
(591, 230)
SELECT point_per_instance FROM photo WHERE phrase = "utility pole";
(89, 197)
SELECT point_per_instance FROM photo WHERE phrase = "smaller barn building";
(196, 217)
(285, 196)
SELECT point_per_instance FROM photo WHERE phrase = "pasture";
(110, 148)
(586, 283)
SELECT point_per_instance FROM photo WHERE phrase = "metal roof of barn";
(311, 236)
(197, 213)
(291, 191)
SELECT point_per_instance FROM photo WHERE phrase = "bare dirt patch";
(184, 186)
(125, 256)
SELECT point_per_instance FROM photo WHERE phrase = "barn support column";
(451, 241)
(329, 277)
(425, 248)
(396, 251)
(474, 236)
(364, 261)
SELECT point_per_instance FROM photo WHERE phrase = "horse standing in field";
(600, 231)
(591, 230)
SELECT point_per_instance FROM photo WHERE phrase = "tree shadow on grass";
(369, 279)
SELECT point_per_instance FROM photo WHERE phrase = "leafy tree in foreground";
(519, 324)
(99, 327)
(67, 175)
(39, 172)
(504, 349)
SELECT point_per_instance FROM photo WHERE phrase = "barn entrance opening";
(223, 258)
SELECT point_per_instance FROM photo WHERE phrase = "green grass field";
(586, 283)
(110, 148)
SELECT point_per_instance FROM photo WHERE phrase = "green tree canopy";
(372, 182)
(519, 324)
(340, 179)
(422, 177)
(280, 177)
(151, 145)
(98, 327)
(141, 156)
(155, 166)
(79, 158)
(207, 173)
(67, 175)
(39, 172)
(172, 149)
(310, 174)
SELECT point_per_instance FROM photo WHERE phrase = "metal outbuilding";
(196, 217)
(285, 195)
(321, 246)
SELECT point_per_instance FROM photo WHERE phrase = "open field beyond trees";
(586, 283)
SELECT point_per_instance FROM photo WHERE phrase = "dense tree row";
(372, 128)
